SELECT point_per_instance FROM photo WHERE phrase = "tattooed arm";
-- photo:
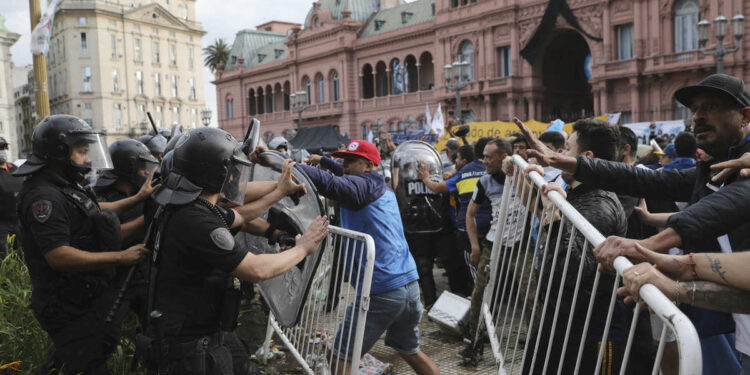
(704, 294)
(727, 269)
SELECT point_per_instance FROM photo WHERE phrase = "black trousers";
(459, 274)
(229, 357)
(423, 248)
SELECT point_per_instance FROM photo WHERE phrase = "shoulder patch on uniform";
(42, 210)
(222, 238)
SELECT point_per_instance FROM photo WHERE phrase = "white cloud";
(220, 19)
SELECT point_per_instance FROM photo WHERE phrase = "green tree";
(216, 55)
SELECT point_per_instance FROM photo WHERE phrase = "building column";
(388, 80)
(375, 84)
(635, 106)
(532, 108)
(361, 86)
(419, 76)
(597, 108)
(511, 106)
(603, 98)
(606, 35)
(487, 109)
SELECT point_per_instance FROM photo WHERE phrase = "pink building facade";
(376, 64)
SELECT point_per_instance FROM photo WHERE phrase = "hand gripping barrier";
(544, 306)
(342, 281)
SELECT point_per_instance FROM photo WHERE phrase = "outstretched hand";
(729, 167)
(146, 189)
(543, 154)
(255, 156)
(675, 266)
(286, 183)
(314, 235)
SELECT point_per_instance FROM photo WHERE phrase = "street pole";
(299, 121)
(40, 69)
(720, 63)
(459, 118)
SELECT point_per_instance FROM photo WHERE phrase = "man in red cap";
(368, 205)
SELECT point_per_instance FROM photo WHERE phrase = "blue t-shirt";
(369, 206)
(462, 185)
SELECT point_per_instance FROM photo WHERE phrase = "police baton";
(126, 283)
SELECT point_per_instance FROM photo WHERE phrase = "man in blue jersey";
(369, 206)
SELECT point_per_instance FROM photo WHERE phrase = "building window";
(184, 11)
(139, 81)
(503, 62)
(308, 89)
(174, 85)
(321, 89)
(335, 86)
(115, 81)
(159, 115)
(138, 50)
(86, 79)
(229, 108)
(157, 84)
(82, 21)
(141, 112)
(62, 41)
(685, 22)
(118, 116)
(467, 55)
(624, 41)
(176, 115)
(84, 45)
(192, 89)
(173, 54)
(155, 49)
(191, 58)
(113, 42)
(88, 114)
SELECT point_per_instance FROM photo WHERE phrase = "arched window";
(308, 89)
(467, 55)
(269, 99)
(335, 86)
(251, 102)
(229, 109)
(685, 22)
(321, 89)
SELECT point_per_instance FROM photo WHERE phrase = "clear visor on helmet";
(235, 183)
(89, 150)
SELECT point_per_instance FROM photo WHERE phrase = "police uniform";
(69, 306)
(10, 186)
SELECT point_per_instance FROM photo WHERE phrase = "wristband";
(690, 263)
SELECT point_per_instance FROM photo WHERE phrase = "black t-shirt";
(197, 254)
(49, 219)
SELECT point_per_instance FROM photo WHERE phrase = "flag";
(41, 33)
(370, 136)
(438, 124)
(614, 118)
(427, 117)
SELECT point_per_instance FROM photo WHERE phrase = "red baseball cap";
(361, 148)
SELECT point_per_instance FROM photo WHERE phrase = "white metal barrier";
(524, 310)
(342, 281)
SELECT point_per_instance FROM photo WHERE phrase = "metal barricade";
(341, 282)
(529, 306)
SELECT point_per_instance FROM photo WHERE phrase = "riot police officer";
(193, 294)
(10, 186)
(70, 245)
(156, 143)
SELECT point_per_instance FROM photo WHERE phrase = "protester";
(684, 151)
(555, 141)
(721, 111)
(520, 145)
(367, 205)
(592, 139)
(489, 189)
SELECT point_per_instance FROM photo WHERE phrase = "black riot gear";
(54, 141)
(155, 143)
(421, 208)
(130, 158)
(207, 159)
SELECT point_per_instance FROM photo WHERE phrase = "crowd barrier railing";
(342, 281)
(539, 304)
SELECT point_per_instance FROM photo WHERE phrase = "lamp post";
(457, 77)
(299, 104)
(720, 31)
(206, 116)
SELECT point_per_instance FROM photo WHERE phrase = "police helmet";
(278, 142)
(155, 143)
(129, 157)
(164, 132)
(3, 143)
(172, 142)
(53, 142)
(206, 159)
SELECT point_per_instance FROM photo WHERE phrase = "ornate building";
(7, 104)
(378, 62)
(112, 61)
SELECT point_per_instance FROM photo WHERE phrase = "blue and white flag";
(41, 33)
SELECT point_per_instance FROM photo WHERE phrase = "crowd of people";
(153, 233)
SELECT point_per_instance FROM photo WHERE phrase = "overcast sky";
(220, 19)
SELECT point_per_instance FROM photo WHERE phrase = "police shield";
(286, 293)
(421, 208)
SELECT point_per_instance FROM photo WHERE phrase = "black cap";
(721, 84)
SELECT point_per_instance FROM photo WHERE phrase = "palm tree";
(216, 55)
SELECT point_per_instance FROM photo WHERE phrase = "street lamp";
(457, 77)
(720, 31)
(299, 104)
(206, 116)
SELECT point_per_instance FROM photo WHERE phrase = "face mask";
(3, 156)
